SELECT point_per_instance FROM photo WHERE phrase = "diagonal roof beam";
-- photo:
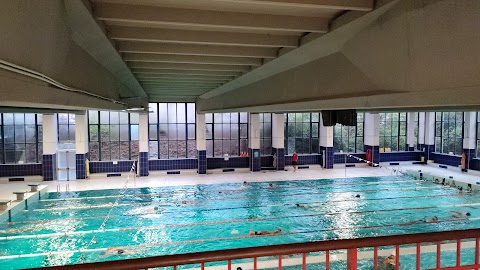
(135, 65)
(207, 19)
(201, 37)
(191, 59)
(144, 77)
(186, 49)
(361, 5)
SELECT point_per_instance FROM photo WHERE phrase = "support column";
(143, 145)
(278, 140)
(50, 144)
(372, 135)
(469, 136)
(410, 132)
(81, 143)
(326, 145)
(421, 131)
(429, 147)
(254, 142)
(201, 144)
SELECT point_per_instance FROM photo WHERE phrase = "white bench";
(20, 195)
(33, 187)
(3, 204)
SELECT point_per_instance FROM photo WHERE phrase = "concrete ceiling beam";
(208, 20)
(173, 77)
(362, 5)
(201, 37)
(191, 59)
(178, 66)
(184, 49)
(149, 71)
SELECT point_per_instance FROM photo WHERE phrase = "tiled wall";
(81, 166)
(329, 157)
(12, 170)
(304, 159)
(255, 160)
(280, 158)
(143, 164)
(49, 167)
(475, 164)
(446, 159)
(339, 158)
(109, 167)
(173, 164)
(233, 162)
(400, 156)
(202, 161)
(267, 161)
(470, 155)
(375, 152)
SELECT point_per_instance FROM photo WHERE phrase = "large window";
(393, 130)
(449, 132)
(415, 131)
(301, 133)
(172, 130)
(349, 138)
(226, 133)
(19, 142)
(113, 135)
(265, 134)
(66, 127)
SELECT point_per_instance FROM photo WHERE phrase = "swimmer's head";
(120, 251)
(357, 196)
(468, 214)
(297, 204)
(155, 208)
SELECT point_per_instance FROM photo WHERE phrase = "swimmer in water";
(300, 206)
(276, 231)
(460, 215)
(117, 251)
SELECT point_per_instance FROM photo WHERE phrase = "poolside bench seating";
(20, 195)
(3, 204)
(33, 187)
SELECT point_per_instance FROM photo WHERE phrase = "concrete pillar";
(143, 167)
(410, 132)
(201, 144)
(470, 136)
(254, 142)
(326, 145)
(372, 135)
(50, 144)
(429, 147)
(278, 140)
(81, 144)
(421, 131)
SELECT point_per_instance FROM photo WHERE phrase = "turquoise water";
(172, 220)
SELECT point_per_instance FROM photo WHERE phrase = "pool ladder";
(67, 187)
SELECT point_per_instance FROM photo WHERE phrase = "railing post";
(255, 263)
(375, 258)
(397, 257)
(418, 257)
(352, 259)
(327, 259)
(304, 261)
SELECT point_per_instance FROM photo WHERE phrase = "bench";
(33, 187)
(20, 195)
(3, 204)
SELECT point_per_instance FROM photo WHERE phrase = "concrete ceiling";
(181, 49)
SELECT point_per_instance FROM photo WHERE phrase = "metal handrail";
(276, 250)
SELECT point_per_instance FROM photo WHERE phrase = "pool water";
(73, 227)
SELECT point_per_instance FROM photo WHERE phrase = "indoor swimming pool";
(97, 225)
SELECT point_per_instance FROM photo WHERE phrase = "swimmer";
(239, 268)
(357, 196)
(390, 260)
(461, 215)
(424, 220)
(270, 186)
(245, 183)
(300, 205)
(117, 251)
(276, 231)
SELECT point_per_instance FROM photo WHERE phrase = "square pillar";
(142, 165)
(429, 146)
(81, 144)
(326, 145)
(410, 132)
(421, 131)
(278, 140)
(201, 144)
(254, 142)
(50, 144)
(469, 137)
(372, 135)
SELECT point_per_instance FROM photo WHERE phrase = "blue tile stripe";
(173, 164)
(233, 162)
(255, 160)
(329, 157)
(10, 170)
(49, 167)
(280, 158)
(143, 164)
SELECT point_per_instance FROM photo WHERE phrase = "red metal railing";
(351, 245)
